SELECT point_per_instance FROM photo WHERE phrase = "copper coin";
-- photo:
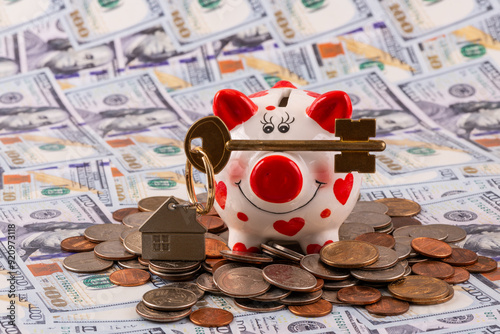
(433, 269)
(213, 248)
(211, 262)
(459, 276)
(77, 245)
(211, 317)
(349, 254)
(398, 222)
(119, 214)
(211, 222)
(113, 250)
(379, 239)
(257, 306)
(400, 207)
(388, 306)
(160, 316)
(483, 265)
(136, 220)
(416, 288)
(359, 295)
(143, 261)
(129, 277)
(317, 309)
(431, 247)
(461, 257)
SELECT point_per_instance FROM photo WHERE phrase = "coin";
(184, 276)
(416, 259)
(403, 231)
(151, 204)
(461, 257)
(370, 206)
(77, 244)
(407, 271)
(143, 261)
(128, 231)
(350, 231)
(242, 282)
(444, 299)
(429, 231)
(388, 306)
(409, 288)
(169, 299)
(257, 306)
(460, 275)
(211, 317)
(379, 239)
(431, 247)
(113, 250)
(337, 285)
(86, 262)
(119, 214)
(455, 233)
(331, 296)
(349, 254)
(132, 264)
(433, 269)
(213, 248)
(224, 265)
(289, 277)
(104, 232)
(206, 283)
(375, 220)
(129, 277)
(160, 316)
(398, 222)
(402, 249)
(170, 267)
(387, 258)
(286, 249)
(270, 250)
(188, 286)
(380, 276)
(317, 309)
(313, 264)
(387, 230)
(137, 219)
(483, 265)
(246, 257)
(359, 295)
(133, 243)
(318, 286)
(302, 298)
(400, 207)
(272, 295)
(212, 223)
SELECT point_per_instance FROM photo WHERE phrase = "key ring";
(210, 182)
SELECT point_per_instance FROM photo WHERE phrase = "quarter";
(242, 282)
(160, 316)
(313, 264)
(302, 298)
(133, 243)
(370, 206)
(113, 250)
(136, 220)
(375, 220)
(380, 276)
(169, 299)
(289, 277)
(104, 232)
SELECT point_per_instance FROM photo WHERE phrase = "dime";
(104, 232)
(388, 306)
(337, 285)
(212, 223)
(206, 283)
(171, 267)
(375, 220)
(113, 250)
(331, 296)
(350, 231)
(398, 222)
(272, 295)
(128, 231)
(246, 257)
(483, 265)
(409, 288)
(349, 254)
(169, 299)
(455, 233)
(151, 204)
(312, 263)
(270, 250)
(77, 244)
(403, 231)
(461, 257)
(380, 276)
(459, 276)
(400, 207)
(242, 282)
(132, 264)
(137, 219)
(129, 277)
(211, 317)
(444, 299)
(119, 214)
(403, 250)
(160, 316)
(86, 262)
(302, 298)
(289, 277)
(133, 243)
(379, 239)
(213, 248)
(359, 295)
(257, 306)
(370, 207)
(317, 309)
(188, 286)
(431, 247)
(433, 269)
(387, 258)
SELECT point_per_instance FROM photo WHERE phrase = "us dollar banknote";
(10, 62)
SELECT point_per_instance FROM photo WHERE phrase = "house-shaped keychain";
(172, 233)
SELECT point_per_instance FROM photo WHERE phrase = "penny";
(313, 264)
(409, 288)
(133, 243)
(280, 253)
(460, 275)
(331, 296)
(317, 309)
(289, 277)
(337, 285)
(150, 204)
(387, 258)
(349, 254)
(431, 247)
(429, 231)
(246, 257)
(257, 306)
(119, 214)
(211, 317)
(380, 276)
(206, 283)
(132, 264)
(213, 248)
(483, 265)
(318, 286)
(104, 232)
(169, 267)
(379, 239)
(272, 295)
(370, 206)
(400, 207)
(137, 219)
(403, 231)
(160, 316)
(188, 286)
(86, 262)
(350, 231)
(461, 257)
(359, 295)
(402, 249)
(129, 277)
(444, 299)
(211, 223)
(375, 220)
(113, 250)
(455, 233)
(242, 282)
(388, 306)
(398, 222)
(128, 231)
(77, 244)
(169, 299)
(302, 298)
(433, 269)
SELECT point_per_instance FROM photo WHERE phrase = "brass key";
(354, 144)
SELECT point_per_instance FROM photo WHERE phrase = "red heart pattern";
(240, 247)
(221, 194)
(342, 188)
(315, 248)
(289, 228)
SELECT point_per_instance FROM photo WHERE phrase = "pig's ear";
(328, 107)
(233, 107)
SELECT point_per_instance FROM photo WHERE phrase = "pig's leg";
(313, 243)
(244, 242)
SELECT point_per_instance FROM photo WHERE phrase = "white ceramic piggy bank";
(290, 195)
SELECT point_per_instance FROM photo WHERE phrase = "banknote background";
(96, 97)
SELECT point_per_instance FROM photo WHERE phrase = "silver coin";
(169, 299)
(256, 306)
(370, 206)
(172, 267)
(160, 316)
(404, 263)
(331, 296)
(112, 250)
(375, 220)
(388, 229)
(379, 276)
(455, 233)
(416, 259)
(245, 257)
(280, 253)
(302, 298)
(206, 267)
(188, 286)
(226, 267)
(403, 250)
(387, 258)
(86, 262)
(133, 243)
(125, 233)
(242, 282)
(104, 232)
(406, 240)
(289, 277)
(407, 271)
(429, 231)
(184, 276)
(313, 264)
(352, 230)
(206, 283)
(404, 231)
(272, 295)
(132, 264)
(274, 256)
(136, 220)
(286, 250)
(337, 285)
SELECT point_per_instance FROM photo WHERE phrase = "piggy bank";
(289, 195)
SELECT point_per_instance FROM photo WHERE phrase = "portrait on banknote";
(246, 39)
(484, 239)
(26, 118)
(388, 120)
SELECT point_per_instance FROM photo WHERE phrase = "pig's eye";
(283, 127)
(268, 128)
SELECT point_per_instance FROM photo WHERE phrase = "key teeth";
(361, 162)
(359, 130)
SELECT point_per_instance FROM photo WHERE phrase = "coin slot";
(284, 98)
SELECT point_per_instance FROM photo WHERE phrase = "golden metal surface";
(349, 254)
(210, 182)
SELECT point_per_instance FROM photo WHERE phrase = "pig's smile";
(300, 207)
